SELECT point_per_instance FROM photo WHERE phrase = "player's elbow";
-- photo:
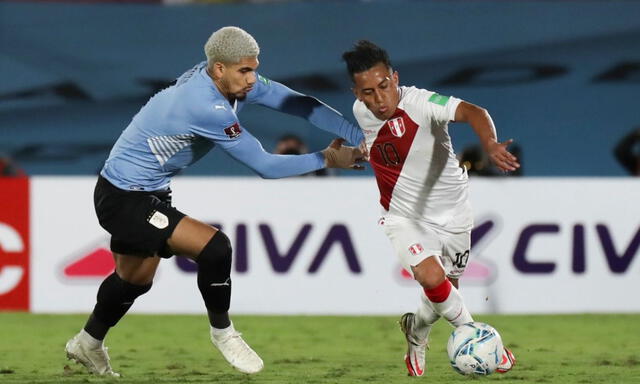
(468, 112)
(267, 172)
(269, 176)
(477, 112)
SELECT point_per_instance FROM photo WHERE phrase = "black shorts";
(139, 222)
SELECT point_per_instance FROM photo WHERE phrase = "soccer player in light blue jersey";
(173, 130)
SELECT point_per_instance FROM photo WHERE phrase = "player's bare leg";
(210, 248)
(132, 278)
(135, 269)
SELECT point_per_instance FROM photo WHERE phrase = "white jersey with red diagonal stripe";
(412, 156)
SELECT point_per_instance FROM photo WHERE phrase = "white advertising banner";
(313, 246)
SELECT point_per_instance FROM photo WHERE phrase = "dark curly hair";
(364, 56)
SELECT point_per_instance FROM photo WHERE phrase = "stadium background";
(560, 83)
(560, 77)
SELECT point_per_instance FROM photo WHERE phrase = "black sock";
(96, 328)
(214, 281)
(219, 320)
(115, 297)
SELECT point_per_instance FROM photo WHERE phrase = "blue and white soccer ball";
(475, 348)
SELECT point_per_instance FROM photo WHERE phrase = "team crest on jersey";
(397, 126)
(233, 131)
(416, 249)
(158, 220)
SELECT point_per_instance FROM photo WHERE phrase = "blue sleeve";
(225, 130)
(249, 152)
(281, 98)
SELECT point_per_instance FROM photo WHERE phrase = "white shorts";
(414, 241)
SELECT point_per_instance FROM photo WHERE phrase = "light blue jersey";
(182, 123)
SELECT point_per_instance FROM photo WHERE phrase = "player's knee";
(115, 287)
(430, 281)
(429, 277)
(217, 252)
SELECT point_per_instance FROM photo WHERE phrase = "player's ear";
(218, 70)
(356, 93)
(396, 78)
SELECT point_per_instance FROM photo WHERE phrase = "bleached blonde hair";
(229, 45)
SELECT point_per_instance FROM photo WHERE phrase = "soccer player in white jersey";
(173, 130)
(423, 190)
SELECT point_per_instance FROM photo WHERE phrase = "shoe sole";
(252, 372)
(245, 371)
(407, 361)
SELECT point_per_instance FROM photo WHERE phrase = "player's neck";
(221, 88)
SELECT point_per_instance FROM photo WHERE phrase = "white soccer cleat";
(416, 349)
(96, 360)
(234, 349)
(508, 361)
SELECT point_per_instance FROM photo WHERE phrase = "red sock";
(439, 293)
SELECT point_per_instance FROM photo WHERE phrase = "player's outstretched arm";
(277, 96)
(250, 152)
(482, 124)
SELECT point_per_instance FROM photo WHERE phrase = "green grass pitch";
(299, 349)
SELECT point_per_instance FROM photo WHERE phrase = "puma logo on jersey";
(396, 126)
(220, 107)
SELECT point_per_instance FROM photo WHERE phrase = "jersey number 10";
(389, 154)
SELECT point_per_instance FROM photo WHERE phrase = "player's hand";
(338, 156)
(363, 149)
(501, 157)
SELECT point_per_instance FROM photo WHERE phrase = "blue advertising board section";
(561, 78)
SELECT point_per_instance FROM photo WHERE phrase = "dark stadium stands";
(562, 79)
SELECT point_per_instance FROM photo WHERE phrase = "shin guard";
(214, 277)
